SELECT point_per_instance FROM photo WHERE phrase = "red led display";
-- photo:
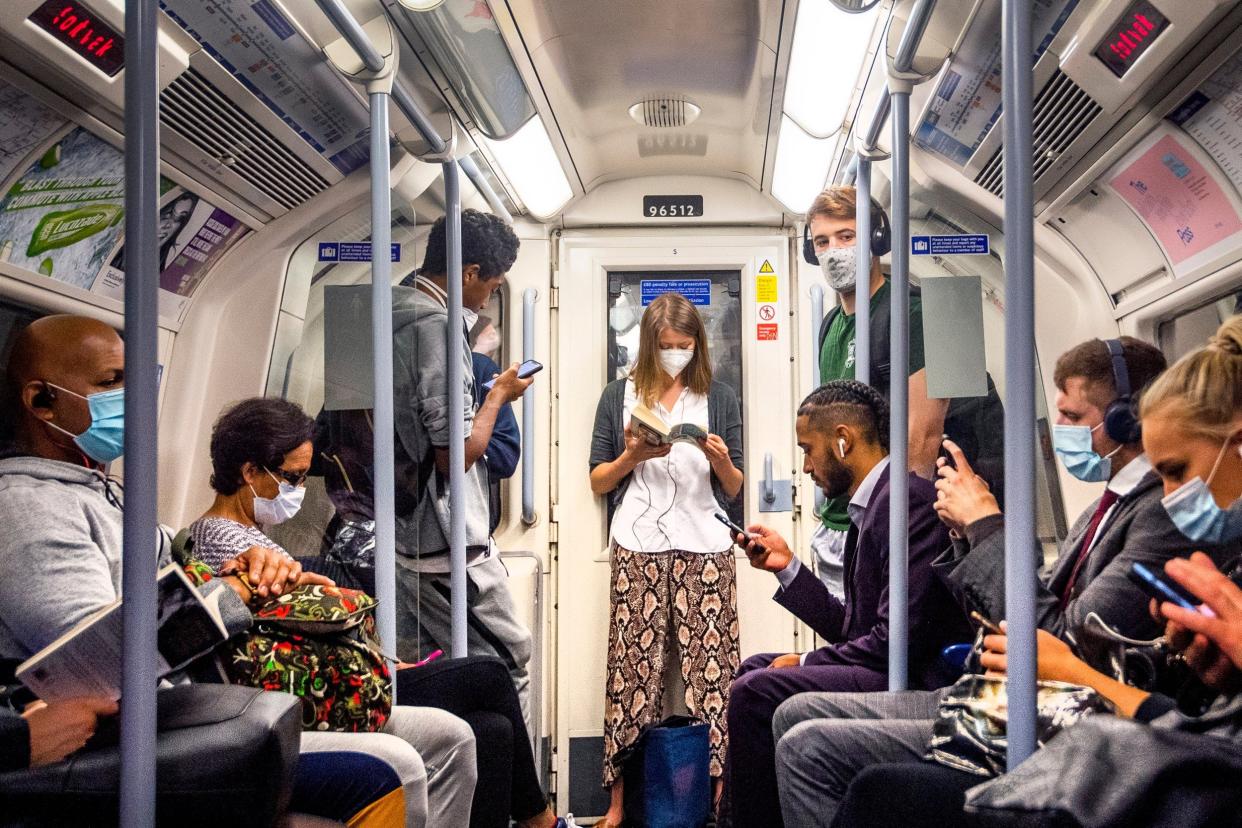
(1134, 33)
(81, 30)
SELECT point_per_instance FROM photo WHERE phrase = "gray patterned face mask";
(840, 267)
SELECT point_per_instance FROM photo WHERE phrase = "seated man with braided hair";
(842, 429)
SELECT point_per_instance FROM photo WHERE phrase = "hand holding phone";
(527, 369)
(735, 529)
(1160, 589)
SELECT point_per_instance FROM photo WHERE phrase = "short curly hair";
(260, 430)
(849, 401)
(486, 240)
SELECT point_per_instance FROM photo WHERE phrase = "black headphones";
(1121, 422)
(881, 235)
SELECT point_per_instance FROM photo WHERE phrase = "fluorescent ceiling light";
(531, 165)
(802, 164)
(421, 5)
(829, 47)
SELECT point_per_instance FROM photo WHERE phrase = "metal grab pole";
(529, 297)
(457, 411)
(138, 612)
(899, 403)
(817, 321)
(475, 175)
(381, 339)
(1020, 575)
(862, 280)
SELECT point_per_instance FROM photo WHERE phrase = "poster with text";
(25, 128)
(64, 215)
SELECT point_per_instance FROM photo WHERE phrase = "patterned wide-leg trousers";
(694, 596)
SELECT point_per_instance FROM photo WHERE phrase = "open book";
(86, 661)
(648, 425)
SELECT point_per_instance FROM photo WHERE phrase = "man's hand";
(507, 387)
(1055, 661)
(767, 550)
(791, 660)
(639, 450)
(60, 728)
(962, 497)
(1212, 646)
(269, 571)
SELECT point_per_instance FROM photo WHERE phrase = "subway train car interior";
(486, 382)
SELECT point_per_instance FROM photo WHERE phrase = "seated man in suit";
(1097, 437)
(843, 432)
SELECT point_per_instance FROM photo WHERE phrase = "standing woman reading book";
(672, 562)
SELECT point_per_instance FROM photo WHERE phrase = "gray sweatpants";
(433, 754)
(424, 619)
(823, 740)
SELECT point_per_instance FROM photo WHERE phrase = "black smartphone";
(734, 528)
(527, 369)
(1160, 589)
(944, 452)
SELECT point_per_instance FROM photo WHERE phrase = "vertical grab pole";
(817, 320)
(381, 338)
(1016, 50)
(138, 649)
(457, 411)
(899, 359)
(529, 297)
(862, 281)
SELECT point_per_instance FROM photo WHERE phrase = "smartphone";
(944, 452)
(734, 528)
(527, 369)
(1160, 589)
(988, 624)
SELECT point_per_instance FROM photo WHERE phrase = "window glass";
(1190, 330)
(13, 320)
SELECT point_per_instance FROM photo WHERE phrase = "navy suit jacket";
(857, 628)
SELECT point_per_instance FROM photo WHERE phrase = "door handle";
(769, 488)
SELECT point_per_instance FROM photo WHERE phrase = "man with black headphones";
(830, 241)
(825, 739)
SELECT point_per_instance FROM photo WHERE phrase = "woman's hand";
(638, 450)
(962, 497)
(1211, 641)
(717, 452)
(1055, 661)
(270, 571)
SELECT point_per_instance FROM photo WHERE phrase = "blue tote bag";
(667, 783)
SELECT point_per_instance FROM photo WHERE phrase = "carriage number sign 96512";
(672, 206)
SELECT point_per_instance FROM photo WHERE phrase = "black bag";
(977, 424)
(667, 775)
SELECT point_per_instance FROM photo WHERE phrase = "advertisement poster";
(63, 217)
(1185, 208)
(193, 235)
(1212, 115)
(26, 126)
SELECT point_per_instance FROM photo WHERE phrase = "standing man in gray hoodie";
(421, 327)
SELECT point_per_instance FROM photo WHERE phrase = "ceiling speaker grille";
(664, 112)
(202, 115)
(1062, 112)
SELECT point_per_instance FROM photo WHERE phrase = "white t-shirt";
(669, 503)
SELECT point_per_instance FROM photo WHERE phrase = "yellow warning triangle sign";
(767, 267)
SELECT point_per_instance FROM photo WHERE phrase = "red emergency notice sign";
(768, 332)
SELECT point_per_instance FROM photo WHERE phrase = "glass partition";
(1190, 330)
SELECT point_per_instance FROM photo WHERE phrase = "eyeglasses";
(291, 477)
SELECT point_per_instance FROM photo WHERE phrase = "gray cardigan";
(723, 418)
(1138, 530)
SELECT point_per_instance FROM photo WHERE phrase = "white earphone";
(841, 446)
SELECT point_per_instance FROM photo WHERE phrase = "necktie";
(1106, 502)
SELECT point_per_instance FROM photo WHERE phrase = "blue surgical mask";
(104, 440)
(1072, 444)
(1194, 511)
(270, 511)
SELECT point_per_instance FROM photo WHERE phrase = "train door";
(739, 282)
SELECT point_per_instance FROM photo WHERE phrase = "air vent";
(202, 115)
(1062, 112)
(664, 112)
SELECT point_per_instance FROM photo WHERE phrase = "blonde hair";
(1203, 389)
(670, 310)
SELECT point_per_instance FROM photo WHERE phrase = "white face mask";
(675, 360)
(270, 511)
(840, 267)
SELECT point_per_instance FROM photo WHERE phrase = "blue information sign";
(970, 244)
(352, 251)
(698, 291)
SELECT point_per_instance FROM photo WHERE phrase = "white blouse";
(669, 502)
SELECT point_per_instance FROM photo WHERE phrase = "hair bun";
(1228, 337)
